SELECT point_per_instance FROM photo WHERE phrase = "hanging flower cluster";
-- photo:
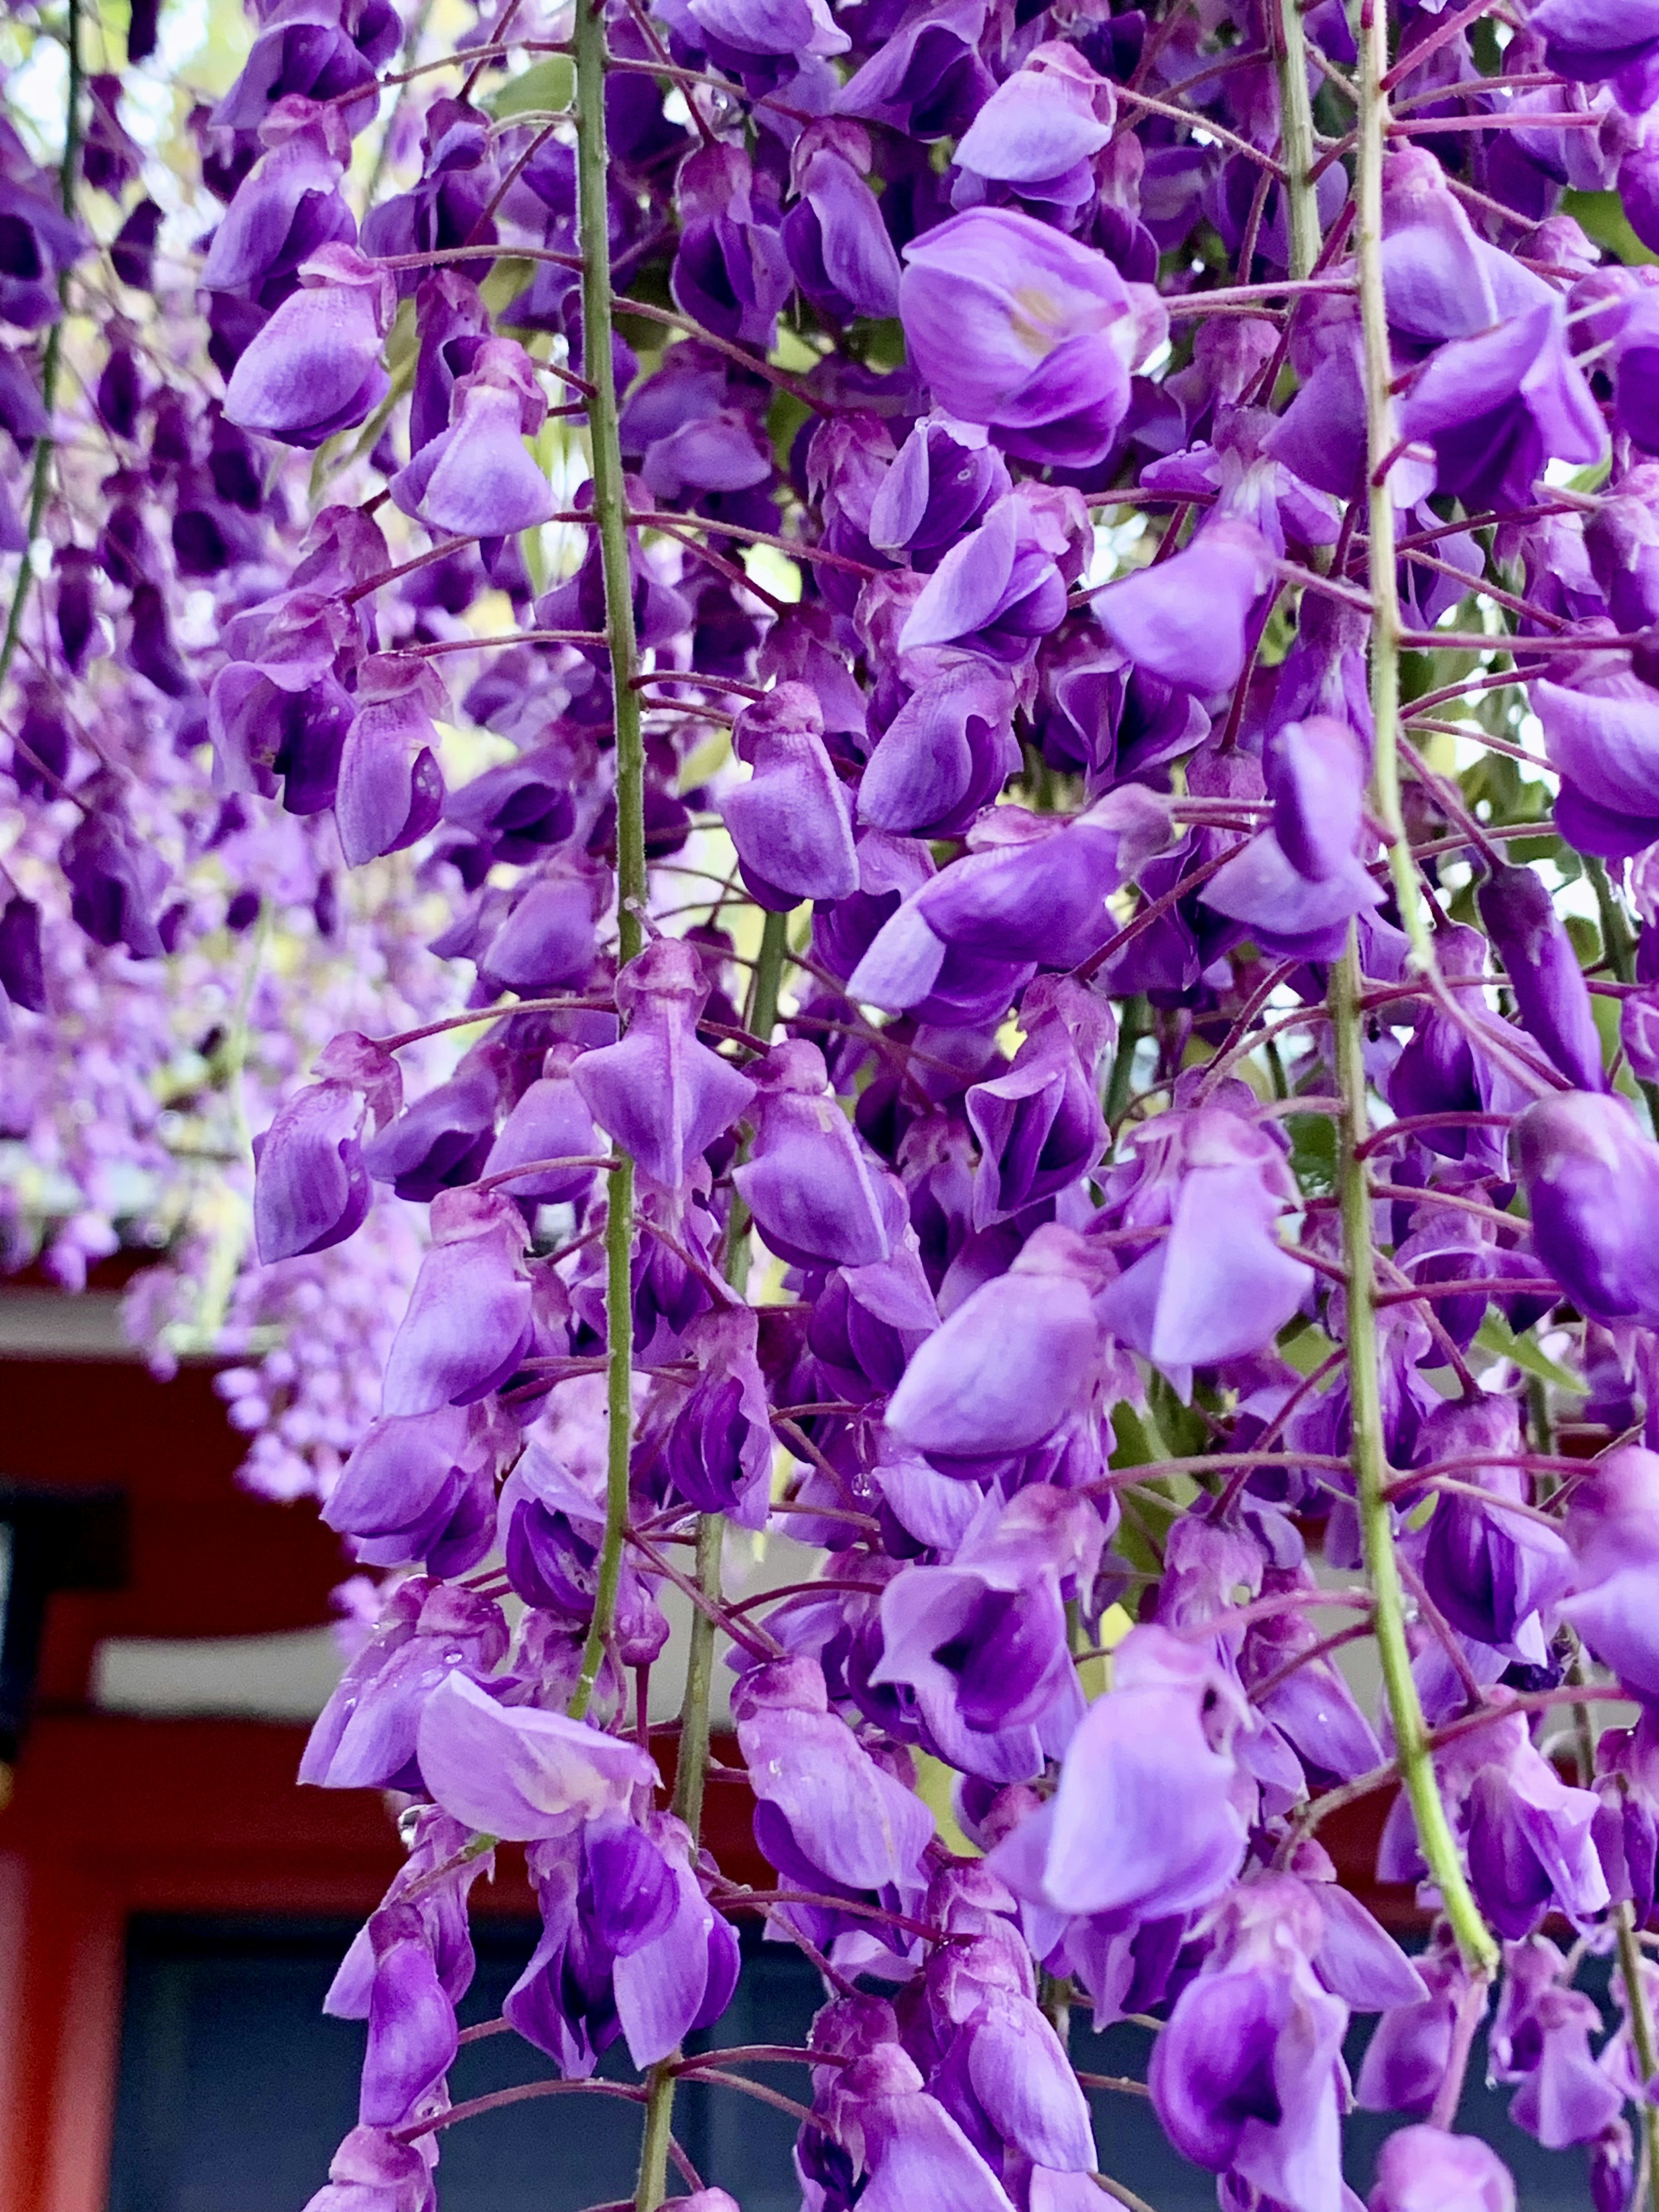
(888, 772)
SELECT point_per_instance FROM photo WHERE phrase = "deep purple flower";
(1592, 1185)
(23, 970)
(1613, 1526)
(1247, 2074)
(1499, 407)
(718, 1452)
(926, 79)
(838, 245)
(38, 242)
(945, 477)
(1595, 41)
(1440, 1071)
(629, 1946)
(1039, 1126)
(1541, 2039)
(525, 805)
(418, 1487)
(132, 249)
(1544, 974)
(316, 46)
(1603, 736)
(1014, 326)
(311, 1189)
(731, 272)
(439, 1142)
(1492, 1573)
(981, 1643)
(116, 881)
(1405, 2060)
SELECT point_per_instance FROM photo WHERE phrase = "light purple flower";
(478, 479)
(1009, 1365)
(315, 367)
(660, 1093)
(1144, 1821)
(519, 1772)
(818, 1198)
(999, 591)
(1186, 619)
(791, 822)
(1613, 1526)
(1426, 2170)
(469, 1320)
(1014, 326)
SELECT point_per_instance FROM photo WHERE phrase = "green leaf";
(1498, 1342)
(1138, 1442)
(1313, 1153)
(546, 85)
(1602, 216)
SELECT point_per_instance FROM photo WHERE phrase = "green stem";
(610, 507)
(41, 481)
(1620, 948)
(1373, 1473)
(1381, 439)
(692, 1771)
(762, 1017)
(1416, 1759)
(769, 975)
(1296, 140)
(1132, 1026)
(619, 1407)
(610, 502)
(1642, 2042)
(690, 1776)
(406, 61)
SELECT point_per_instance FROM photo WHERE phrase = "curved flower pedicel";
(908, 776)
